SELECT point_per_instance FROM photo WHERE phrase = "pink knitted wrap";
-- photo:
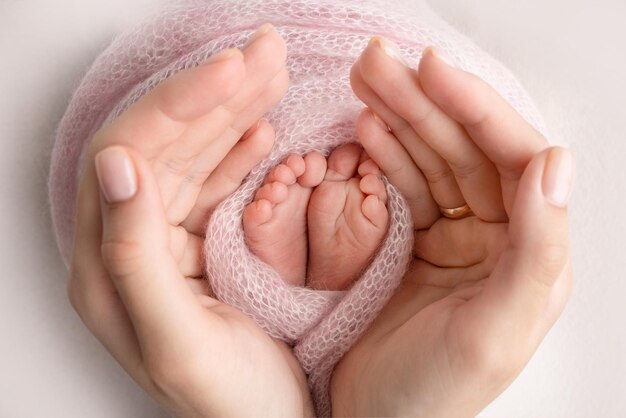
(318, 113)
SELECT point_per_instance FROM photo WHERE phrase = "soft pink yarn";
(318, 113)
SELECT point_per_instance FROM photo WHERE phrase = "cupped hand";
(482, 291)
(150, 179)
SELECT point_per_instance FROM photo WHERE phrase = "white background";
(570, 55)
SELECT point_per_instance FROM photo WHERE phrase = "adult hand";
(484, 290)
(149, 179)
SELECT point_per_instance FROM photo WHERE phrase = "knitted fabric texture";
(318, 113)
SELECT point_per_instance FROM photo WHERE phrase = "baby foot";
(347, 219)
(275, 223)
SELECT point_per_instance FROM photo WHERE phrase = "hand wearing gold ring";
(485, 286)
(456, 213)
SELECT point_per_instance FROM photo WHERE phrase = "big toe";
(343, 162)
(314, 171)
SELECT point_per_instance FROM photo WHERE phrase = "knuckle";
(401, 128)
(123, 258)
(491, 360)
(421, 113)
(551, 261)
(173, 165)
(198, 177)
(467, 169)
(438, 174)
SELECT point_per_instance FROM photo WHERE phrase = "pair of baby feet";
(319, 221)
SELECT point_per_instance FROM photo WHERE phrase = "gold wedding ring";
(456, 213)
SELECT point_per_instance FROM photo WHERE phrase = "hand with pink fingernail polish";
(152, 177)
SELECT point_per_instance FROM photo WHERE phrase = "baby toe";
(274, 193)
(343, 162)
(296, 164)
(369, 167)
(371, 184)
(375, 211)
(281, 174)
(256, 213)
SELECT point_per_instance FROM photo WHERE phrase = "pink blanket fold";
(318, 113)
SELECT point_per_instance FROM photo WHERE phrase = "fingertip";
(558, 176)
(182, 97)
(269, 43)
(116, 174)
(438, 56)
(372, 132)
(539, 229)
(260, 139)
(380, 123)
(222, 56)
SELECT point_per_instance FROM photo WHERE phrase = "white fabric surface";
(567, 53)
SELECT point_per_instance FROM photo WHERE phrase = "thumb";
(519, 295)
(135, 244)
(539, 231)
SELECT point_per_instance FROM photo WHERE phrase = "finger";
(191, 263)
(187, 251)
(199, 286)
(437, 172)
(135, 248)
(399, 168)
(517, 297)
(90, 289)
(229, 175)
(398, 87)
(461, 243)
(257, 97)
(166, 125)
(496, 128)
(162, 115)
(423, 273)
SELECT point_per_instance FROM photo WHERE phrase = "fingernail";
(439, 55)
(262, 30)
(251, 130)
(116, 174)
(390, 49)
(558, 174)
(223, 55)
(380, 122)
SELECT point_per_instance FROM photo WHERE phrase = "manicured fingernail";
(558, 175)
(389, 47)
(116, 174)
(262, 30)
(223, 55)
(439, 55)
(380, 122)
